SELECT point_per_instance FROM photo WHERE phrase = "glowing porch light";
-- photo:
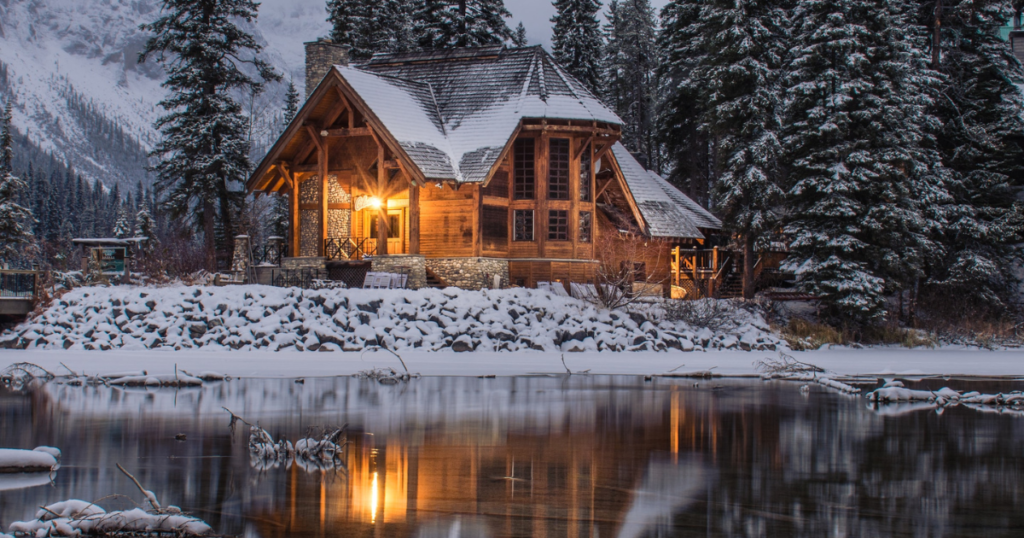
(375, 202)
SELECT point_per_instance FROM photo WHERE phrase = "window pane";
(558, 169)
(558, 225)
(524, 225)
(394, 226)
(585, 167)
(525, 178)
(584, 227)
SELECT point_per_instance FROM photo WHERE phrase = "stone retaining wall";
(412, 264)
(470, 273)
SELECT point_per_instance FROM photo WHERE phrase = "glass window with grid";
(558, 225)
(525, 178)
(523, 225)
(585, 173)
(558, 169)
(585, 227)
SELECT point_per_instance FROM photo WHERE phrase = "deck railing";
(349, 248)
(15, 284)
(268, 254)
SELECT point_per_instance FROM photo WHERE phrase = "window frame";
(563, 227)
(561, 189)
(515, 225)
(521, 188)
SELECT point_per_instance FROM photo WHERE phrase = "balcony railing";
(349, 248)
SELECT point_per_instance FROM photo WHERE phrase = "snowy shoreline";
(878, 361)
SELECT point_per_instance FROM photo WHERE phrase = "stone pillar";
(240, 259)
(320, 56)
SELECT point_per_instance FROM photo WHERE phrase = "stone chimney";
(320, 56)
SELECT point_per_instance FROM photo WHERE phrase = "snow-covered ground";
(868, 361)
(257, 331)
(283, 319)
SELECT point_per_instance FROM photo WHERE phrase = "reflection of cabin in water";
(461, 166)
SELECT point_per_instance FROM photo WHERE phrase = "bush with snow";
(262, 317)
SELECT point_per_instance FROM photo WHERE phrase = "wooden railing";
(15, 284)
(349, 248)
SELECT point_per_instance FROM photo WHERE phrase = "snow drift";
(263, 317)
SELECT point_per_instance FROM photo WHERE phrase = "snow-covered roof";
(454, 112)
(108, 241)
(665, 209)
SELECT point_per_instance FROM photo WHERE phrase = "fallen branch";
(148, 494)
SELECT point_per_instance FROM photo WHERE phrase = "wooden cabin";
(474, 167)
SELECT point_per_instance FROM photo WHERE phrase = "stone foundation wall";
(311, 262)
(470, 273)
(412, 264)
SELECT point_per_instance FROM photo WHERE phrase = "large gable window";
(558, 169)
(525, 177)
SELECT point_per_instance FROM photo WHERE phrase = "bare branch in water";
(148, 494)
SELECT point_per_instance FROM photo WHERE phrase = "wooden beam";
(579, 152)
(382, 213)
(322, 158)
(293, 213)
(569, 129)
(602, 188)
(345, 132)
(601, 152)
(348, 107)
(391, 164)
(316, 168)
(414, 219)
(286, 173)
(478, 209)
(315, 137)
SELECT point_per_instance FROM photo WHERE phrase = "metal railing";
(16, 284)
(349, 248)
(268, 254)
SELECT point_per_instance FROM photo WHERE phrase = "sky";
(536, 16)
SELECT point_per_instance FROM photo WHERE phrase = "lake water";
(579, 456)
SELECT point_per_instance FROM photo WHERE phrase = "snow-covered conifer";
(204, 153)
(444, 24)
(371, 26)
(861, 176)
(15, 219)
(576, 41)
(519, 38)
(123, 227)
(980, 107)
(291, 102)
(145, 226)
(631, 84)
(736, 49)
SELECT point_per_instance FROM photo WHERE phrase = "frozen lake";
(579, 456)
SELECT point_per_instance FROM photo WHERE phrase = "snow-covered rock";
(263, 317)
(13, 460)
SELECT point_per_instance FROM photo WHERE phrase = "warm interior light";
(375, 202)
(373, 499)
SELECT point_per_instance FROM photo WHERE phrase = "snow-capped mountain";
(79, 92)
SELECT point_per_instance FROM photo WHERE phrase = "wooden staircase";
(434, 281)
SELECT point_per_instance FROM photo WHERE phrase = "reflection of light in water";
(373, 500)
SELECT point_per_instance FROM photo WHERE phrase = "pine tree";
(14, 218)
(861, 176)
(687, 148)
(519, 38)
(145, 226)
(576, 41)
(291, 103)
(204, 153)
(122, 228)
(631, 65)
(737, 48)
(445, 24)
(980, 106)
(371, 26)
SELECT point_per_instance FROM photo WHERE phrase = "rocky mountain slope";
(70, 68)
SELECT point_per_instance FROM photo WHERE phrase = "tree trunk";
(748, 267)
(209, 236)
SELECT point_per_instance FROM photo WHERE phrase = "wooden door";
(396, 229)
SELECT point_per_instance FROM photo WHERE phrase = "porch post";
(414, 219)
(382, 213)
